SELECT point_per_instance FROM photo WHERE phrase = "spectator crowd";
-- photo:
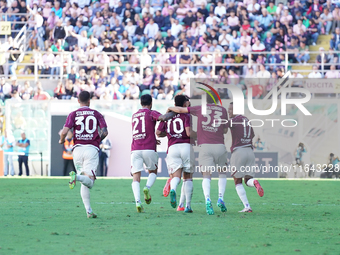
(102, 38)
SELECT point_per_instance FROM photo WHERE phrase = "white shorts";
(85, 159)
(242, 162)
(212, 157)
(180, 155)
(147, 157)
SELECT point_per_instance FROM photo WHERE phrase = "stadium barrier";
(103, 62)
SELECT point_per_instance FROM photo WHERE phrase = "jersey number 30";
(85, 125)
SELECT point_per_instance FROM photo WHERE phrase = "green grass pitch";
(43, 216)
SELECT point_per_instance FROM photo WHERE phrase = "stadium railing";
(4, 17)
(68, 62)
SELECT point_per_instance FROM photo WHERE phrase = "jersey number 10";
(174, 126)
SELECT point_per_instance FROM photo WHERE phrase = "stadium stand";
(113, 47)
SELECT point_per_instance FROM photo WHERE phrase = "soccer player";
(210, 139)
(180, 156)
(242, 159)
(143, 148)
(87, 137)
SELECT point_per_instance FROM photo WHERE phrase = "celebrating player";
(242, 158)
(85, 122)
(212, 153)
(180, 153)
(143, 148)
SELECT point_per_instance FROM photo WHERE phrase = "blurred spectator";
(41, 95)
(303, 55)
(73, 76)
(48, 60)
(156, 87)
(14, 54)
(139, 33)
(26, 91)
(172, 76)
(315, 74)
(335, 41)
(59, 31)
(24, 148)
(5, 89)
(326, 21)
(15, 98)
(133, 91)
(151, 29)
(185, 78)
(147, 80)
(67, 153)
(166, 92)
(6, 143)
(332, 73)
(104, 155)
(59, 91)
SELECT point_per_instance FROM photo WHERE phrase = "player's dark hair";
(146, 100)
(84, 96)
(180, 100)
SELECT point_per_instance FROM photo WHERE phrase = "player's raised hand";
(61, 142)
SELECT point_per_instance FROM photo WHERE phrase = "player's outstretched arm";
(63, 134)
(178, 109)
(103, 133)
(167, 116)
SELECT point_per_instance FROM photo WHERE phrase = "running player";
(143, 148)
(180, 156)
(242, 159)
(85, 122)
(212, 151)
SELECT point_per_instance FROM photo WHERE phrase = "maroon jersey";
(207, 133)
(85, 122)
(143, 130)
(241, 133)
(175, 129)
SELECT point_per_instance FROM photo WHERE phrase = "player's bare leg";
(136, 191)
(241, 192)
(176, 179)
(182, 198)
(251, 182)
(87, 182)
(188, 190)
(206, 190)
(222, 183)
(151, 180)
